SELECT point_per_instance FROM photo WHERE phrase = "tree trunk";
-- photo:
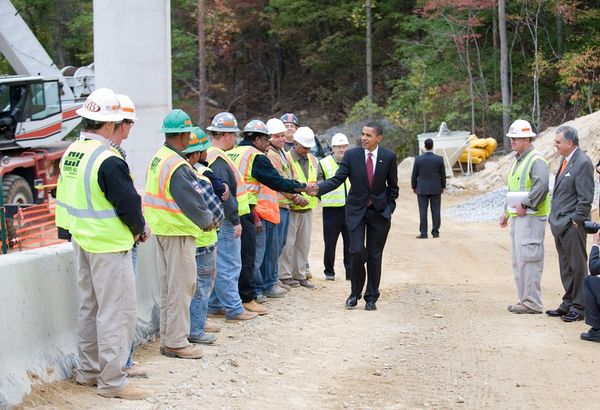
(559, 34)
(201, 66)
(369, 57)
(504, 72)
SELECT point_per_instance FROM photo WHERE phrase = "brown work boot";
(219, 314)
(290, 283)
(129, 392)
(305, 283)
(136, 370)
(245, 315)
(188, 352)
(282, 285)
(210, 327)
(252, 306)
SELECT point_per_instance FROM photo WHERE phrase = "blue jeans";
(258, 259)
(134, 255)
(282, 228)
(270, 268)
(205, 279)
(225, 294)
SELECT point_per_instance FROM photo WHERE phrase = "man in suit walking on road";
(373, 175)
(428, 181)
(571, 204)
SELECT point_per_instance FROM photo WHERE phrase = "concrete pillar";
(132, 55)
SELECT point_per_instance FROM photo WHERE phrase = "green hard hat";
(198, 141)
(177, 121)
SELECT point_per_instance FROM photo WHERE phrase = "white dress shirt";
(374, 152)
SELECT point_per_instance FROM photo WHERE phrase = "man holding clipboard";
(527, 208)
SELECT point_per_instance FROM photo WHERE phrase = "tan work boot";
(188, 352)
(252, 306)
(245, 315)
(129, 392)
(210, 327)
(220, 314)
(136, 370)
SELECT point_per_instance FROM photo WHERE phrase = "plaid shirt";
(213, 202)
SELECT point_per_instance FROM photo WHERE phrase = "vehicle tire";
(16, 190)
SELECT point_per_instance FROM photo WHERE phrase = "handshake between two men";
(311, 189)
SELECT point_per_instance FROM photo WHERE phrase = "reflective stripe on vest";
(519, 180)
(240, 191)
(337, 197)
(84, 210)
(267, 206)
(243, 157)
(299, 176)
(163, 215)
(205, 238)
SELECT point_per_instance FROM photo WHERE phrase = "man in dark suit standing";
(428, 181)
(571, 204)
(373, 175)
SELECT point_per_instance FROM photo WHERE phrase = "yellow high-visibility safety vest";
(299, 176)
(82, 207)
(240, 193)
(519, 180)
(337, 197)
(243, 158)
(162, 213)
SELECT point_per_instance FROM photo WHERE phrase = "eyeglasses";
(129, 122)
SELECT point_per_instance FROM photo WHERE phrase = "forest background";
(432, 60)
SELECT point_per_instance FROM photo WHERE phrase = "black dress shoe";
(556, 313)
(370, 306)
(572, 316)
(421, 236)
(435, 235)
(351, 302)
(591, 335)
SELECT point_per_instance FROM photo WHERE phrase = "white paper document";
(515, 198)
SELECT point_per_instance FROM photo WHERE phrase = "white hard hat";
(127, 107)
(101, 105)
(275, 126)
(339, 139)
(520, 129)
(305, 137)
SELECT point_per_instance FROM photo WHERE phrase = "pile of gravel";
(483, 208)
(489, 206)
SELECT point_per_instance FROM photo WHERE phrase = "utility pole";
(504, 72)
(369, 57)
(201, 67)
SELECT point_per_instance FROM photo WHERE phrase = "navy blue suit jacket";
(382, 194)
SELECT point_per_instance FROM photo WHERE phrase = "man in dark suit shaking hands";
(373, 175)
(428, 181)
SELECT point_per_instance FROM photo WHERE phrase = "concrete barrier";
(38, 312)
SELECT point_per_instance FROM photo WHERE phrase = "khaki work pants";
(176, 265)
(527, 233)
(294, 258)
(106, 318)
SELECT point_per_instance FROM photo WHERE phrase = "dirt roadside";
(441, 338)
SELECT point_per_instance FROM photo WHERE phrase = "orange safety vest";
(267, 206)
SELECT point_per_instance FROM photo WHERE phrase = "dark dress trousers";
(428, 181)
(368, 214)
(591, 290)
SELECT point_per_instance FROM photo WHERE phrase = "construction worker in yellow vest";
(225, 298)
(294, 258)
(334, 208)
(206, 242)
(256, 168)
(528, 206)
(102, 211)
(177, 213)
